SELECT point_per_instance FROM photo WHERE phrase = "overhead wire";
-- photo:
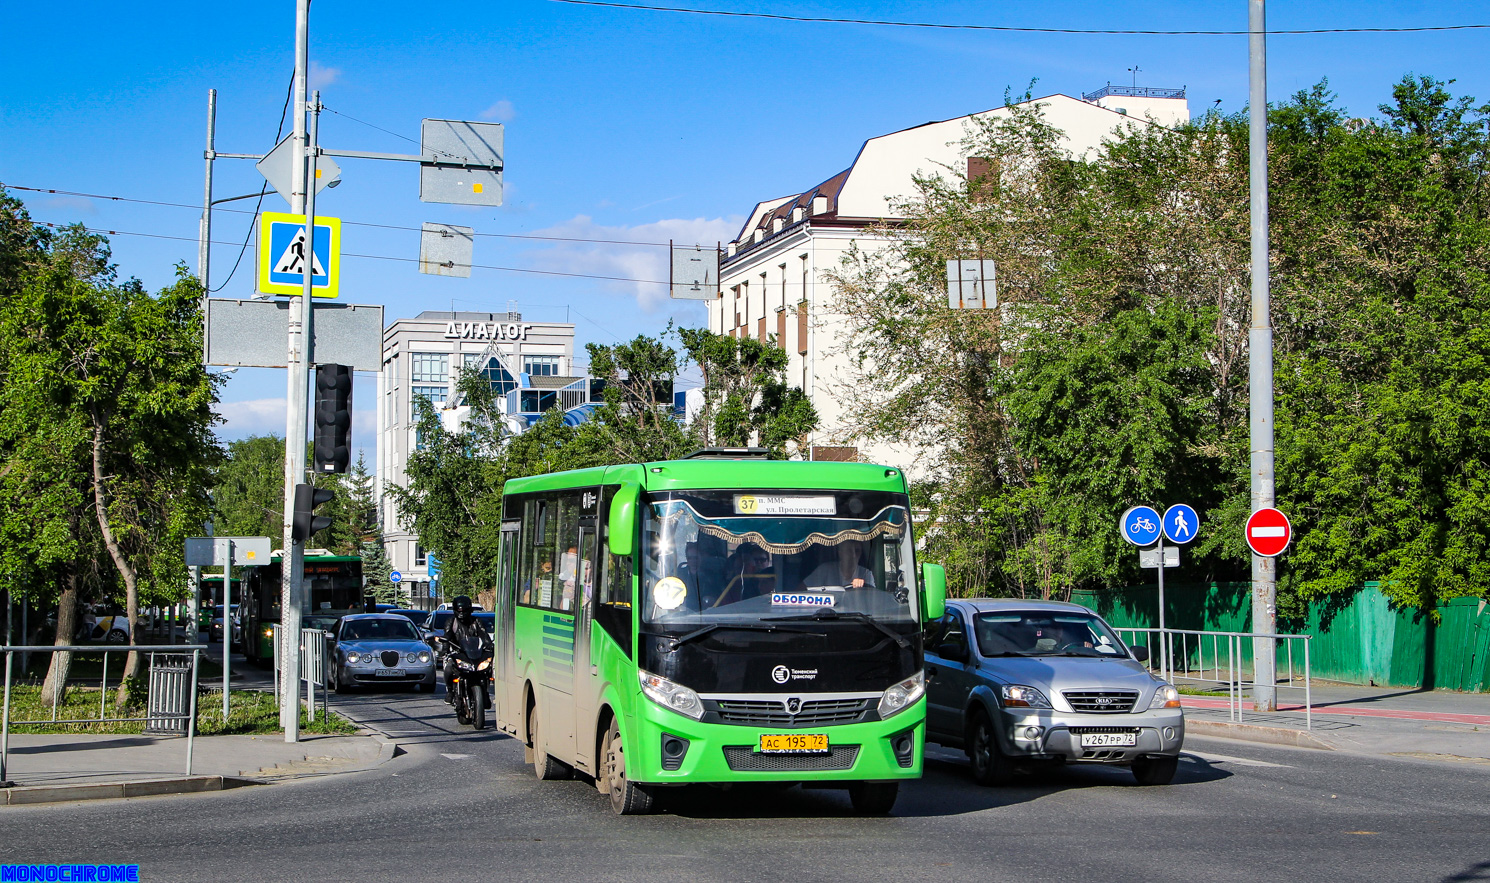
(243, 249)
(1142, 32)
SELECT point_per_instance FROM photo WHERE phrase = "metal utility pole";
(297, 392)
(1260, 365)
(204, 249)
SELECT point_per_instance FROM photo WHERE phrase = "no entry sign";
(1268, 532)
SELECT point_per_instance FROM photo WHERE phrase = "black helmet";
(462, 606)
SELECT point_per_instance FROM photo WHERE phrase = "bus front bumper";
(670, 748)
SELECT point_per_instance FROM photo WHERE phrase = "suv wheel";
(990, 765)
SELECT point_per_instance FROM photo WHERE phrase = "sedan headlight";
(903, 695)
(1020, 696)
(1165, 697)
(670, 695)
(424, 656)
(411, 656)
(353, 656)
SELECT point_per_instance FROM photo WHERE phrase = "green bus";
(715, 620)
(333, 586)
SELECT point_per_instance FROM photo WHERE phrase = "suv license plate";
(392, 673)
(794, 743)
(1109, 740)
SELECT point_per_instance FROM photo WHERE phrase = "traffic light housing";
(306, 522)
(333, 433)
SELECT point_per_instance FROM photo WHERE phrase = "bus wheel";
(627, 798)
(544, 765)
(873, 798)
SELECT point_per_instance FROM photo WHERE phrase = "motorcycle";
(468, 689)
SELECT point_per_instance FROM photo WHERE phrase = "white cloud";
(320, 75)
(639, 269)
(251, 417)
(502, 111)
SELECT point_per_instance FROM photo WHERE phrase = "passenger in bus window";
(568, 572)
(843, 571)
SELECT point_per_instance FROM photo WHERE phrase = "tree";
(746, 397)
(249, 489)
(112, 377)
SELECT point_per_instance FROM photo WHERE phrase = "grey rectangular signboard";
(254, 334)
(694, 272)
(467, 166)
(446, 250)
(971, 285)
(1149, 558)
(208, 551)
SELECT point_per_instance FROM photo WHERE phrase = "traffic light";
(333, 448)
(306, 522)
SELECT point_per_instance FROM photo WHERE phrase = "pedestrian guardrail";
(171, 705)
(1181, 653)
(314, 661)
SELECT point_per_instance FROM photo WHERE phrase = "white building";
(772, 278)
(530, 363)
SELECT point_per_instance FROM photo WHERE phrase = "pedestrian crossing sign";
(282, 255)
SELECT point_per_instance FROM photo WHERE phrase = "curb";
(29, 794)
(1257, 733)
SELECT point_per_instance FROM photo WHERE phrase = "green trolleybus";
(715, 620)
(333, 585)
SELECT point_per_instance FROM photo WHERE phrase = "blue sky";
(621, 124)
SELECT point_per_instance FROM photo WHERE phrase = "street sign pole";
(227, 620)
(296, 396)
(1163, 635)
(1260, 364)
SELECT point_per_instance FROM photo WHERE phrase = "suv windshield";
(729, 556)
(1044, 633)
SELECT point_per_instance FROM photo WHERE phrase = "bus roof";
(704, 474)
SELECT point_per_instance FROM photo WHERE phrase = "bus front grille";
(773, 713)
(744, 759)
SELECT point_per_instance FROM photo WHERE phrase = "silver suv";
(1009, 680)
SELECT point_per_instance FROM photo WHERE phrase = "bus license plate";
(1109, 740)
(389, 673)
(794, 743)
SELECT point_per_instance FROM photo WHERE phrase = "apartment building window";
(541, 366)
(761, 329)
(802, 328)
(421, 556)
(781, 327)
(435, 394)
(431, 368)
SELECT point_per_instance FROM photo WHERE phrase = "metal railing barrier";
(170, 704)
(1225, 660)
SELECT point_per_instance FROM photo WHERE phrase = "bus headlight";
(902, 696)
(670, 695)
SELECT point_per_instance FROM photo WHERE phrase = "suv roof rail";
(728, 454)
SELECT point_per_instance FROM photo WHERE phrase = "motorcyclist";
(465, 633)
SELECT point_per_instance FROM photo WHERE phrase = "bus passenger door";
(586, 680)
(506, 684)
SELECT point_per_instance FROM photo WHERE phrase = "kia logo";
(1103, 700)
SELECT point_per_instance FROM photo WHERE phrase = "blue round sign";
(1140, 526)
(395, 577)
(1180, 523)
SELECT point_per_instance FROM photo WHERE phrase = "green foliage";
(1114, 370)
(746, 397)
(249, 489)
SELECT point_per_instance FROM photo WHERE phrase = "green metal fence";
(1359, 639)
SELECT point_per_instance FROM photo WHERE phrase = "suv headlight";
(1165, 697)
(903, 695)
(1020, 696)
(670, 695)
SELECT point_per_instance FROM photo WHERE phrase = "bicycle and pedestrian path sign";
(1180, 523)
(1140, 526)
(282, 255)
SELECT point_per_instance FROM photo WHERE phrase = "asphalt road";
(462, 805)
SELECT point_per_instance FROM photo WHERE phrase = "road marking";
(1353, 710)
(454, 756)
(1239, 761)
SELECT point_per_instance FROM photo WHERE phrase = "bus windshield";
(728, 556)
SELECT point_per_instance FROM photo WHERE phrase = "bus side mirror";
(933, 592)
(621, 528)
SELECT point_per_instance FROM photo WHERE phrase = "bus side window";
(613, 606)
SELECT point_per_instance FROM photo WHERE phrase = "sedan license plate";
(1109, 740)
(794, 743)
(389, 673)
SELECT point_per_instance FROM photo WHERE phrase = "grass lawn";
(250, 713)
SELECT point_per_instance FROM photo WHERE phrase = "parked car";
(379, 648)
(1016, 682)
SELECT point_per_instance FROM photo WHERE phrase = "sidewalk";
(54, 768)
(1425, 724)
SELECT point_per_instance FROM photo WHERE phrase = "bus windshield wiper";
(679, 640)
(828, 613)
